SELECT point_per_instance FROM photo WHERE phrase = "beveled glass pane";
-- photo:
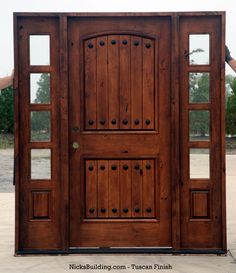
(40, 88)
(199, 166)
(39, 49)
(40, 164)
(199, 125)
(199, 49)
(199, 87)
(40, 124)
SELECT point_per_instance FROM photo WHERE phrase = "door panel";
(103, 190)
(119, 98)
(201, 180)
(119, 82)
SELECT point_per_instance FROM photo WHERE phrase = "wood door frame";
(64, 125)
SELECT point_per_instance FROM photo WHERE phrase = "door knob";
(75, 145)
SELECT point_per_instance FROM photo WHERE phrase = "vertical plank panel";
(91, 188)
(113, 81)
(114, 189)
(148, 84)
(102, 92)
(148, 188)
(90, 56)
(102, 193)
(137, 188)
(125, 188)
(136, 82)
(125, 82)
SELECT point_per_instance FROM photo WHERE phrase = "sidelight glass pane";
(199, 49)
(40, 163)
(199, 86)
(199, 163)
(40, 88)
(39, 49)
(40, 124)
(199, 125)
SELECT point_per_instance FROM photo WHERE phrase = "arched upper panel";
(118, 33)
(119, 82)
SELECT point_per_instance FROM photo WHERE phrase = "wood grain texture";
(204, 205)
(135, 92)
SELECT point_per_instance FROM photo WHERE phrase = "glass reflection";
(40, 88)
(40, 163)
(40, 122)
(199, 53)
(199, 125)
(199, 163)
(199, 86)
(39, 49)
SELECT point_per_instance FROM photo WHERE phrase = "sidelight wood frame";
(63, 172)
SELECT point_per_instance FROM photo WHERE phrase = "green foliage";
(41, 120)
(7, 110)
(231, 110)
(43, 92)
(40, 125)
(199, 123)
(199, 86)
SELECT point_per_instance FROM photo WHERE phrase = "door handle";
(75, 145)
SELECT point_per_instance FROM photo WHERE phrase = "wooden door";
(202, 133)
(119, 126)
(114, 115)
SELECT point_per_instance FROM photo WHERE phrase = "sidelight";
(39, 49)
(199, 49)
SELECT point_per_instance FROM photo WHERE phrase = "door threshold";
(117, 250)
(121, 250)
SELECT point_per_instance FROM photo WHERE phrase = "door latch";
(75, 145)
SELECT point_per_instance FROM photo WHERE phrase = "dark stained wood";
(137, 186)
(102, 90)
(222, 134)
(125, 105)
(148, 84)
(40, 205)
(90, 63)
(136, 82)
(148, 189)
(91, 187)
(124, 144)
(64, 131)
(120, 14)
(103, 189)
(204, 204)
(16, 178)
(175, 135)
(125, 189)
(141, 82)
(114, 189)
(113, 81)
(41, 234)
(200, 204)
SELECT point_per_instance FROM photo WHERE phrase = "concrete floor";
(49, 264)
